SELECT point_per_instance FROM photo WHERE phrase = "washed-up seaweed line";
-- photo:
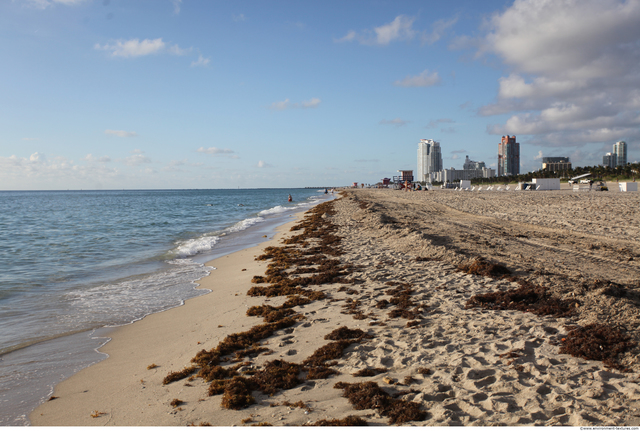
(309, 258)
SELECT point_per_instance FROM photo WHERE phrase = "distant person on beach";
(326, 191)
(290, 198)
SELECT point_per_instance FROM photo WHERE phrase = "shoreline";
(148, 333)
(32, 371)
(405, 283)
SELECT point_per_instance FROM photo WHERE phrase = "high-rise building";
(610, 160)
(556, 164)
(470, 164)
(429, 159)
(620, 150)
(508, 156)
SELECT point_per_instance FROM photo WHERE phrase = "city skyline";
(110, 94)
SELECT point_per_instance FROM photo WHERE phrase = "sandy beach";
(388, 307)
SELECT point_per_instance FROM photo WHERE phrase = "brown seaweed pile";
(368, 395)
(405, 306)
(349, 421)
(484, 268)
(598, 342)
(527, 298)
(369, 372)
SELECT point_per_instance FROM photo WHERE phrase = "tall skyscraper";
(508, 156)
(429, 159)
(620, 150)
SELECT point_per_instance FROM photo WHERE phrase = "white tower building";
(429, 159)
(620, 150)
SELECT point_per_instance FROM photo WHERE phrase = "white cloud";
(401, 28)
(176, 6)
(263, 164)
(425, 79)
(539, 156)
(350, 36)
(398, 29)
(43, 4)
(176, 50)
(133, 47)
(120, 133)
(37, 157)
(238, 18)
(201, 61)
(573, 71)
(398, 122)
(314, 102)
(214, 151)
(439, 28)
(280, 106)
(103, 159)
(311, 103)
(138, 48)
(136, 158)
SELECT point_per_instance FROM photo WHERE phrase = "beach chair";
(473, 188)
(517, 188)
(508, 188)
(538, 188)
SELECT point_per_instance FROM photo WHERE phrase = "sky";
(175, 94)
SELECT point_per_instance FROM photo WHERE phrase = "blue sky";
(109, 94)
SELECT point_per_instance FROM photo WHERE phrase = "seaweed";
(176, 402)
(427, 259)
(304, 261)
(349, 421)
(598, 342)
(179, 375)
(368, 395)
(277, 375)
(405, 307)
(327, 352)
(320, 372)
(484, 268)
(344, 333)
(369, 372)
(217, 387)
(216, 372)
(425, 371)
(237, 394)
(527, 298)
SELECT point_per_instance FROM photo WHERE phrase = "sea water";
(77, 261)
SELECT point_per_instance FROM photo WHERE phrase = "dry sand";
(467, 366)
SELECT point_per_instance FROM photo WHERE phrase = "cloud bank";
(574, 76)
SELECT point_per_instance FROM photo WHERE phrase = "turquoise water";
(73, 262)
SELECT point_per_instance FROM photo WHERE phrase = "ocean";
(75, 263)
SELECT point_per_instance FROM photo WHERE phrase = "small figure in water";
(290, 198)
(326, 191)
